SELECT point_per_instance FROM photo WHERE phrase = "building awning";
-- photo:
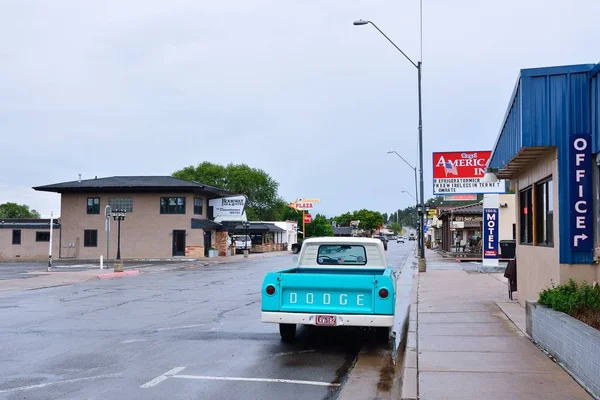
(238, 228)
(207, 224)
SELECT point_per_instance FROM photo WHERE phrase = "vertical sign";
(490, 233)
(580, 188)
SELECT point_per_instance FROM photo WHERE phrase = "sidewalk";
(467, 347)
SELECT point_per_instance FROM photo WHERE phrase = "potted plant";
(213, 252)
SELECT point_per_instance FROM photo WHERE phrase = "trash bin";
(507, 248)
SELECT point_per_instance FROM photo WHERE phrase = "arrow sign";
(577, 238)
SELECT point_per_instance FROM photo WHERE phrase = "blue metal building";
(554, 114)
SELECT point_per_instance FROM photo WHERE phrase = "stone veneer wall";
(221, 243)
(194, 251)
(574, 344)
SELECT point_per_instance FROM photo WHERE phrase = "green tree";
(344, 219)
(320, 226)
(14, 210)
(256, 184)
(385, 218)
(369, 220)
(395, 227)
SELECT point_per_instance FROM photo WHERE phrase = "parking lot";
(179, 333)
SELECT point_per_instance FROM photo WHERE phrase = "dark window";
(90, 238)
(93, 205)
(341, 254)
(121, 203)
(514, 232)
(16, 236)
(42, 236)
(544, 213)
(525, 217)
(197, 206)
(172, 205)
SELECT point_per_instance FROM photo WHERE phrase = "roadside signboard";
(307, 218)
(490, 233)
(461, 172)
(303, 204)
(460, 197)
(228, 208)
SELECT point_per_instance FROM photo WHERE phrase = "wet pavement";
(186, 332)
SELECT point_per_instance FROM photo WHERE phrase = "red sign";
(307, 218)
(461, 172)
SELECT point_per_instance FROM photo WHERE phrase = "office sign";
(228, 207)
(580, 187)
(490, 233)
(462, 172)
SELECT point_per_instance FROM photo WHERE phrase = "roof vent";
(79, 177)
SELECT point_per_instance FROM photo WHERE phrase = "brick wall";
(194, 251)
(221, 242)
(573, 343)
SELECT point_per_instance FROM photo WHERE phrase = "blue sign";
(490, 233)
(580, 191)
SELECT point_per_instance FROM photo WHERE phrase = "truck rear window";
(330, 254)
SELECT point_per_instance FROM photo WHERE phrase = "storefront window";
(525, 216)
(544, 213)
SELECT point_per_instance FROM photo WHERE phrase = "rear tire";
(287, 332)
(382, 334)
(295, 250)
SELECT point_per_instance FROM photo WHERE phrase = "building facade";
(166, 217)
(549, 147)
(28, 239)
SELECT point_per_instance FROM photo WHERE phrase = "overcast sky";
(147, 87)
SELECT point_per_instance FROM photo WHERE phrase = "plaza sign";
(580, 185)
(303, 204)
(462, 172)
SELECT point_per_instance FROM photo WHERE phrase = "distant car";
(412, 237)
(384, 240)
(400, 240)
(242, 242)
(296, 247)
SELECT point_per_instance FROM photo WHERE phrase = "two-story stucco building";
(166, 217)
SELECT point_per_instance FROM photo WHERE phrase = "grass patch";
(579, 301)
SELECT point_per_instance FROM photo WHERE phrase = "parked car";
(333, 284)
(296, 247)
(412, 237)
(242, 242)
(384, 240)
(400, 239)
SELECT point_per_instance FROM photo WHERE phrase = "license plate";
(326, 320)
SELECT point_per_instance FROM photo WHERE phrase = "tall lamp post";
(418, 66)
(417, 212)
(119, 215)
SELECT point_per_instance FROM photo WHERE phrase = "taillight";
(383, 293)
(270, 290)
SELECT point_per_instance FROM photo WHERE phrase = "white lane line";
(133, 340)
(268, 380)
(180, 327)
(162, 377)
(41, 385)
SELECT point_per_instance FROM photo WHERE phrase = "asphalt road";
(193, 333)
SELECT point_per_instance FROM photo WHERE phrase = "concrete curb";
(118, 274)
(410, 371)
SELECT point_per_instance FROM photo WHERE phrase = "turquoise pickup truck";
(337, 281)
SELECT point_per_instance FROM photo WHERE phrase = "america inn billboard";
(461, 172)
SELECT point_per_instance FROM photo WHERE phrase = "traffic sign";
(307, 218)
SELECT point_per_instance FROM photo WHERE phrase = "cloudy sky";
(134, 87)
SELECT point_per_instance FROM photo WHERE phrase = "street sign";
(307, 218)
(490, 233)
(462, 172)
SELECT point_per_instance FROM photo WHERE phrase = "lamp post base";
(118, 264)
(422, 264)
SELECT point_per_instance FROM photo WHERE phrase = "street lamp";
(418, 65)
(408, 193)
(119, 215)
(411, 167)
(246, 225)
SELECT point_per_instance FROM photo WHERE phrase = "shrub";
(580, 301)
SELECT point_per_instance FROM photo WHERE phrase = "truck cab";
(336, 281)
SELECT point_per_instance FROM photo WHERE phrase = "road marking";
(41, 385)
(180, 327)
(133, 340)
(162, 377)
(268, 380)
